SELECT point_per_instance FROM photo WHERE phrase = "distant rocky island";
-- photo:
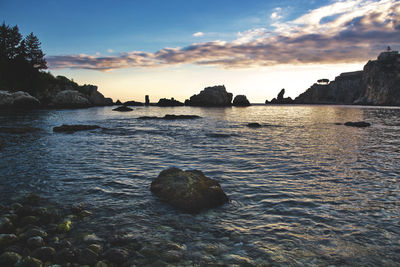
(377, 84)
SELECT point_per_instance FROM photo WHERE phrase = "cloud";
(198, 34)
(276, 14)
(345, 31)
(110, 51)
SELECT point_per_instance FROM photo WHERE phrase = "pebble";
(35, 232)
(172, 256)
(87, 256)
(31, 262)
(9, 258)
(44, 253)
(7, 239)
(35, 242)
(116, 255)
(92, 238)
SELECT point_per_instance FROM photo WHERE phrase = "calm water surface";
(303, 190)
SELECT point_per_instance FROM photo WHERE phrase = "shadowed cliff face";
(377, 84)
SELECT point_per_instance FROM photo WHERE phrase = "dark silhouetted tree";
(34, 54)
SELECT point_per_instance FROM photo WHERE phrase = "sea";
(304, 190)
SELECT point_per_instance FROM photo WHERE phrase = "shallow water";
(303, 190)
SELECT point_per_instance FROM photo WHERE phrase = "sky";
(176, 48)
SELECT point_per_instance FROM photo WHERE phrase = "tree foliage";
(21, 60)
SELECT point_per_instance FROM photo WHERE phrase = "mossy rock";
(65, 226)
(188, 191)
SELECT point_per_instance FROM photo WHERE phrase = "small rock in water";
(360, 124)
(7, 239)
(9, 258)
(35, 232)
(172, 256)
(189, 191)
(92, 238)
(87, 256)
(44, 253)
(254, 125)
(64, 226)
(116, 255)
(74, 128)
(31, 262)
(122, 108)
(96, 248)
(35, 242)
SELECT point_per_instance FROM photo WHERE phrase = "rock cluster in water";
(280, 99)
(164, 102)
(189, 191)
(377, 84)
(74, 128)
(240, 101)
(215, 96)
(170, 117)
(20, 100)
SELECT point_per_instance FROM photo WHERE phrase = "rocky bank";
(377, 84)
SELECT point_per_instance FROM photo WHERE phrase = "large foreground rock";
(97, 99)
(215, 96)
(70, 99)
(241, 101)
(189, 191)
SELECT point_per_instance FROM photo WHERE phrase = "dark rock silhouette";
(240, 101)
(122, 109)
(360, 124)
(170, 117)
(146, 100)
(280, 99)
(253, 125)
(96, 98)
(215, 96)
(163, 102)
(189, 191)
(377, 84)
(133, 103)
(74, 128)
(18, 130)
(118, 102)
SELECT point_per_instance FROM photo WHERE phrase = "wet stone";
(7, 239)
(92, 238)
(5, 224)
(30, 262)
(66, 255)
(35, 232)
(101, 264)
(87, 256)
(172, 256)
(96, 248)
(44, 253)
(9, 258)
(116, 255)
(35, 242)
(29, 220)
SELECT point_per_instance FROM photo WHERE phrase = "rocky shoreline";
(36, 232)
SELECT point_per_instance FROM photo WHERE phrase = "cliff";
(377, 84)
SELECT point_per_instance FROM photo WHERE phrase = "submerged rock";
(253, 125)
(9, 258)
(122, 109)
(170, 117)
(189, 191)
(360, 124)
(74, 128)
(18, 130)
(241, 101)
(116, 255)
(133, 103)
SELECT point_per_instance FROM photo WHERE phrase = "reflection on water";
(303, 191)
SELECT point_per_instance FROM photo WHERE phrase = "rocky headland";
(377, 84)
(215, 96)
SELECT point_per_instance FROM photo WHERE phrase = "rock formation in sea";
(280, 99)
(146, 100)
(240, 101)
(133, 103)
(215, 96)
(122, 109)
(377, 84)
(74, 128)
(189, 191)
(164, 102)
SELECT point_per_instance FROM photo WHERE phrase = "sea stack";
(147, 100)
